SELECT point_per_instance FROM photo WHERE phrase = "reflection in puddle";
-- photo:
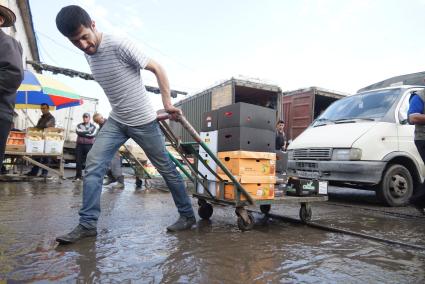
(133, 245)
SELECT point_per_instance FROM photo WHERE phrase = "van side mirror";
(404, 121)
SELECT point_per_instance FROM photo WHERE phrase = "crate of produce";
(248, 163)
(34, 140)
(259, 187)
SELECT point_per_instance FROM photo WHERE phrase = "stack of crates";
(255, 171)
(246, 127)
(243, 137)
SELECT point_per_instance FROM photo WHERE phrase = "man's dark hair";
(281, 121)
(70, 18)
(44, 104)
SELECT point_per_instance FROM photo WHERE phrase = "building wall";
(18, 32)
(222, 96)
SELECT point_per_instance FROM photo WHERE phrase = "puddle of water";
(133, 246)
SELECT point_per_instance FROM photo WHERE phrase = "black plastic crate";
(246, 115)
(209, 121)
(246, 139)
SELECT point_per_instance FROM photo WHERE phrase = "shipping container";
(301, 107)
(223, 94)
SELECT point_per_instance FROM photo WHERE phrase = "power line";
(45, 51)
(137, 38)
(54, 41)
(170, 57)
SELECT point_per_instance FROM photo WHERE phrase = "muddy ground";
(134, 247)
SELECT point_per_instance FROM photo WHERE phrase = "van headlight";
(351, 154)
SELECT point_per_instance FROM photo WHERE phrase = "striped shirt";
(116, 67)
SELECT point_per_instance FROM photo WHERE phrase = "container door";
(297, 111)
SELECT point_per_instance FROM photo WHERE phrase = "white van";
(362, 141)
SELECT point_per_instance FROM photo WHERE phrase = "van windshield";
(366, 106)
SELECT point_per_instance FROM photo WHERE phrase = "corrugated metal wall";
(192, 108)
(193, 111)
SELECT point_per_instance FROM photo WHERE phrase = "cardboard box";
(246, 139)
(34, 131)
(209, 121)
(53, 130)
(15, 148)
(206, 173)
(247, 115)
(34, 146)
(259, 187)
(54, 140)
(246, 163)
(212, 187)
(210, 138)
(53, 146)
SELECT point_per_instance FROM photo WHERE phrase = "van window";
(371, 105)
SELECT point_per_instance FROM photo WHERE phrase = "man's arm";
(417, 118)
(92, 131)
(11, 70)
(132, 55)
(164, 88)
(81, 131)
(415, 112)
(51, 122)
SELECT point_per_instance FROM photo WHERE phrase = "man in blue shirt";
(416, 116)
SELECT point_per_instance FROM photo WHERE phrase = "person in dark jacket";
(86, 132)
(46, 120)
(281, 141)
(11, 76)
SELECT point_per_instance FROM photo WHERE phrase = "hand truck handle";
(163, 116)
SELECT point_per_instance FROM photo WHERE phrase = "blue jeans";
(112, 135)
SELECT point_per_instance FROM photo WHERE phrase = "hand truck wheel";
(205, 211)
(246, 226)
(305, 212)
(265, 208)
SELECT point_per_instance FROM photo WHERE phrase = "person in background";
(416, 116)
(11, 76)
(86, 132)
(114, 173)
(116, 64)
(46, 120)
(281, 141)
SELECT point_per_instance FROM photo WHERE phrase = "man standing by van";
(416, 115)
(116, 65)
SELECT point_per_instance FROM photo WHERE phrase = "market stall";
(35, 146)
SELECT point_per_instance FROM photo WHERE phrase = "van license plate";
(323, 187)
(306, 174)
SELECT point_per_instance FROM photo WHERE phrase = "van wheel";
(396, 186)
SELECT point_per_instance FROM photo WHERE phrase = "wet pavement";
(134, 247)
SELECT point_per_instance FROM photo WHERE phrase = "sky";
(341, 45)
